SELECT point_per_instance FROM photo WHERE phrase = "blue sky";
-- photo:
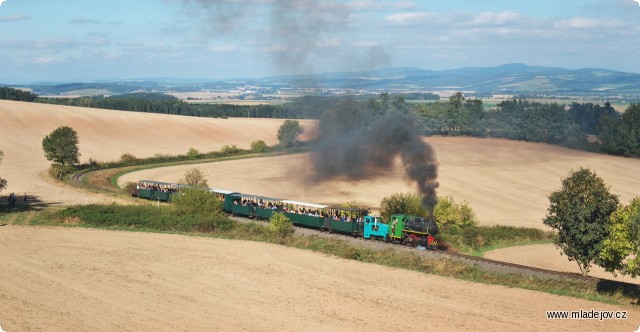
(213, 39)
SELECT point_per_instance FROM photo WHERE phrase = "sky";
(81, 41)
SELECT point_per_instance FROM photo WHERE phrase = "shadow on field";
(611, 287)
(24, 203)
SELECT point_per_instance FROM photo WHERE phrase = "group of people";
(12, 199)
(303, 210)
(155, 187)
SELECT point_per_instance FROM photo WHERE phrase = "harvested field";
(62, 279)
(105, 135)
(69, 279)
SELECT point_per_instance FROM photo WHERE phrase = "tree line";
(516, 119)
(520, 119)
(7, 93)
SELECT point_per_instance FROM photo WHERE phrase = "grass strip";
(162, 219)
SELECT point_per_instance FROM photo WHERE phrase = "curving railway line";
(485, 264)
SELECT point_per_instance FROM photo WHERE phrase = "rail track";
(482, 263)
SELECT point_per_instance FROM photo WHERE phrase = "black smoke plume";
(369, 150)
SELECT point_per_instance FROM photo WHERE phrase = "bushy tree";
(196, 201)
(280, 225)
(621, 250)
(259, 146)
(288, 133)
(229, 149)
(194, 177)
(127, 158)
(193, 153)
(205, 206)
(580, 212)
(401, 203)
(449, 214)
(61, 146)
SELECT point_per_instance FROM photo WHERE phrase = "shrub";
(194, 177)
(401, 203)
(127, 158)
(259, 146)
(450, 214)
(280, 225)
(193, 153)
(229, 149)
(57, 171)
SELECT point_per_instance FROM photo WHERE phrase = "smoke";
(367, 151)
(298, 35)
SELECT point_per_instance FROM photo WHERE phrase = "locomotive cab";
(373, 227)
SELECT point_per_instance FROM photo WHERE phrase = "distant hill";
(506, 79)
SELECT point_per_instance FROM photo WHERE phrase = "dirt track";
(60, 279)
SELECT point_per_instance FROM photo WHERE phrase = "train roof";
(160, 183)
(257, 196)
(222, 191)
(314, 205)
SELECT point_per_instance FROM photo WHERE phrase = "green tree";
(193, 153)
(450, 214)
(3, 182)
(580, 212)
(621, 250)
(194, 177)
(402, 203)
(280, 225)
(229, 149)
(288, 133)
(349, 113)
(259, 146)
(61, 146)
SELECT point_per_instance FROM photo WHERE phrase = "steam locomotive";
(400, 228)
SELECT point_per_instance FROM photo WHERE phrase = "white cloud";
(493, 19)
(409, 18)
(638, 1)
(588, 23)
(1, 1)
(14, 18)
(224, 48)
(44, 60)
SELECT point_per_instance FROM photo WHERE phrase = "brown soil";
(61, 279)
(105, 135)
(70, 279)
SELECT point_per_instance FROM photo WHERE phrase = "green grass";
(476, 240)
(149, 218)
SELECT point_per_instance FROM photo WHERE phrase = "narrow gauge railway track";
(79, 177)
(482, 263)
